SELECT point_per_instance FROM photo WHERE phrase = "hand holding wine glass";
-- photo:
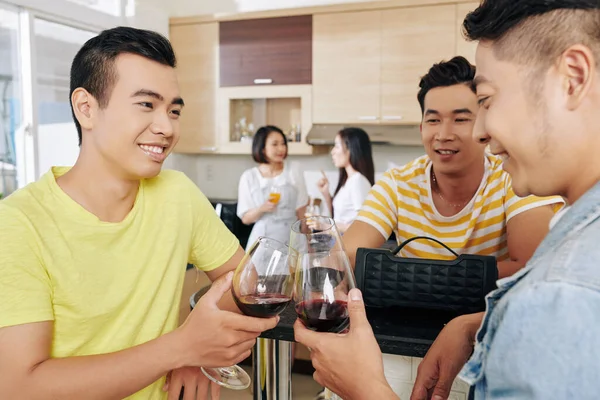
(262, 287)
(349, 365)
(210, 336)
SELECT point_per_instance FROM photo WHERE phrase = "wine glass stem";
(229, 372)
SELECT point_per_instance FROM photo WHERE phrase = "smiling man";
(538, 83)
(457, 193)
(93, 257)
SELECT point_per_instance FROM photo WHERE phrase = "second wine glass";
(262, 287)
(323, 275)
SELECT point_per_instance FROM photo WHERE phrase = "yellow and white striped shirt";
(401, 202)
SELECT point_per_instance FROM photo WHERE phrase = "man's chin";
(147, 172)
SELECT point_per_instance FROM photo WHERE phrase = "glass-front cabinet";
(242, 110)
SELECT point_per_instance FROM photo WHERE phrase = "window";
(56, 46)
(10, 98)
(112, 7)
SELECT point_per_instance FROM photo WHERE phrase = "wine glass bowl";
(262, 287)
(274, 195)
(323, 275)
(262, 283)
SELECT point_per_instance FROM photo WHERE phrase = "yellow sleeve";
(213, 244)
(514, 205)
(380, 209)
(25, 287)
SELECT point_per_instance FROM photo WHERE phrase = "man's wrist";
(471, 324)
(173, 345)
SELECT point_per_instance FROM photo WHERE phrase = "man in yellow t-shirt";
(457, 193)
(93, 257)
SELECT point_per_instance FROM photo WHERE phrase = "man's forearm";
(379, 390)
(107, 376)
(508, 268)
(471, 324)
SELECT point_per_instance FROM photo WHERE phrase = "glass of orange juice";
(274, 195)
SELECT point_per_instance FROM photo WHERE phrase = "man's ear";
(84, 108)
(577, 66)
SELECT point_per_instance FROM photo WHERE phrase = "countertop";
(405, 332)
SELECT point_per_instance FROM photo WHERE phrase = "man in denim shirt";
(538, 84)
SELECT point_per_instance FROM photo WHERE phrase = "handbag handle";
(397, 249)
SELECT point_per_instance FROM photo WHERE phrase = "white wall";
(218, 175)
(184, 8)
(150, 14)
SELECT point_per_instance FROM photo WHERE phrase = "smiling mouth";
(446, 152)
(149, 150)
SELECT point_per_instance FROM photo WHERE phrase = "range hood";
(395, 135)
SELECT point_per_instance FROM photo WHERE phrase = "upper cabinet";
(463, 47)
(366, 65)
(276, 51)
(412, 40)
(197, 70)
(346, 67)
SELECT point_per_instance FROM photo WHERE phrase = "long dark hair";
(361, 156)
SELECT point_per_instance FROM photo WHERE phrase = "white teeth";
(447, 152)
(152, 149)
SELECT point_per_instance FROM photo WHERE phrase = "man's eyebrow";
(151, 93)
(479, 80)
(431, 112)
(462, 111)
(148, 93)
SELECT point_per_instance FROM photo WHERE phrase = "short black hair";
(535, 32)
(259, 142)
(457, 71)
(93, 66)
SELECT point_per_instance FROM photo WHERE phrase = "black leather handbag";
(458, 286)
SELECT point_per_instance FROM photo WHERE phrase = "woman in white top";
(272, 196)
(352, 154)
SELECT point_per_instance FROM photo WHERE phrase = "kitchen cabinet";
(346, 67)
(412, 40)
(366, 65)
(276, 51)
(197, 70)
(463, 47)
(242, 110)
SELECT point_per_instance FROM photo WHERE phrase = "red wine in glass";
(262, 305)
(322, 316)
(262, 287)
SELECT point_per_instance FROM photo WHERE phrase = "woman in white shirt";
(353, 156)
(272, 196)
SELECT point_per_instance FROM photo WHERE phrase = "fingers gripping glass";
(262, 287)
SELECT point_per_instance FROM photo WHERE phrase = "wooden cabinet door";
(463, 47)
(275, 51)
(346, 67)
(412, 40)
(196, 48)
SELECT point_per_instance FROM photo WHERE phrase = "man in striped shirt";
(457, 193)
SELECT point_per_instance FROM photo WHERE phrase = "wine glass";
(262, 287)
(274, 195)
(323, 275)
